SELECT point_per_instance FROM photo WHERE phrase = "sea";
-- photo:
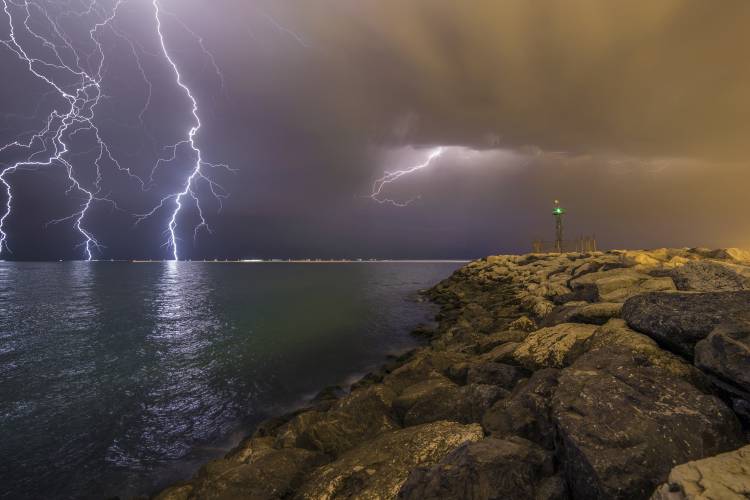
(118, 379)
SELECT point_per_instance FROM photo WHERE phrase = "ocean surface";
(119, 378)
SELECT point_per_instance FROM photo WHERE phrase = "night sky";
(636, 115)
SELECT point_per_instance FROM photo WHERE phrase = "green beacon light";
(558, 212)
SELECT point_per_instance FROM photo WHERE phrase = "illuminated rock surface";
(548, 377)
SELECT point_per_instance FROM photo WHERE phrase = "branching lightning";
(197, 173)
(49, 146)
(75, 76)
(390, 177)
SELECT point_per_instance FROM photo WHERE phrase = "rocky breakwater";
(615, 375)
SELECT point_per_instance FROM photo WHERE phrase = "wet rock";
(595, 314)
(526, 412)
(367, 380)
(250, 449)
(709, 276)
(487, 469)
(678, 321)
(617, 285)
(424, 331)
(379, 468)
(327, 397)
(726, 353)
(553, 347)
(360, 416)
(623, 423)
(723, 477)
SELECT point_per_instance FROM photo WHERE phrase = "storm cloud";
(634, 114)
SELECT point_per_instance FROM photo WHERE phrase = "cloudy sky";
(636, 115)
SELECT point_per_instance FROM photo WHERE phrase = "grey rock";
(623, 423)
(709, 276)
(490, 469)
(678, 321)
(617, 333)
(526, 412)
(726, 353)
(500, 374)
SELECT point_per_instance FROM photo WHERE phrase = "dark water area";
(119, 378)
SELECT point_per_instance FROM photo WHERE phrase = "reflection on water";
(116, 378)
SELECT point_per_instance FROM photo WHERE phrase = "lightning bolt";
(197, 173)
(49, 146)
(390, 177)
(75, 77)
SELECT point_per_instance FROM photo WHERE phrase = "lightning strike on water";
(49, 146)
(76, 76)
(390, 177)
(197, 173)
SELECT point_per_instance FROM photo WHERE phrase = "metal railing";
(581, 244)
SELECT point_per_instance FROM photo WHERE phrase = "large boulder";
(726, 353)
(273, 475)
(617, 285)
(732, 254)
(354, 419)
(483, 470)
(709, 276)
(623, 422)
(526, 412)
(617, 333)
(678, 321)
(378, 468)
(440, 399)
(425, 364)
(553, 347)
(723, 477)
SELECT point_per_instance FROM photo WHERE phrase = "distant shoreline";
(259, 261)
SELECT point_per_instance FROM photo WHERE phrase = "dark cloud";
(635, 114)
